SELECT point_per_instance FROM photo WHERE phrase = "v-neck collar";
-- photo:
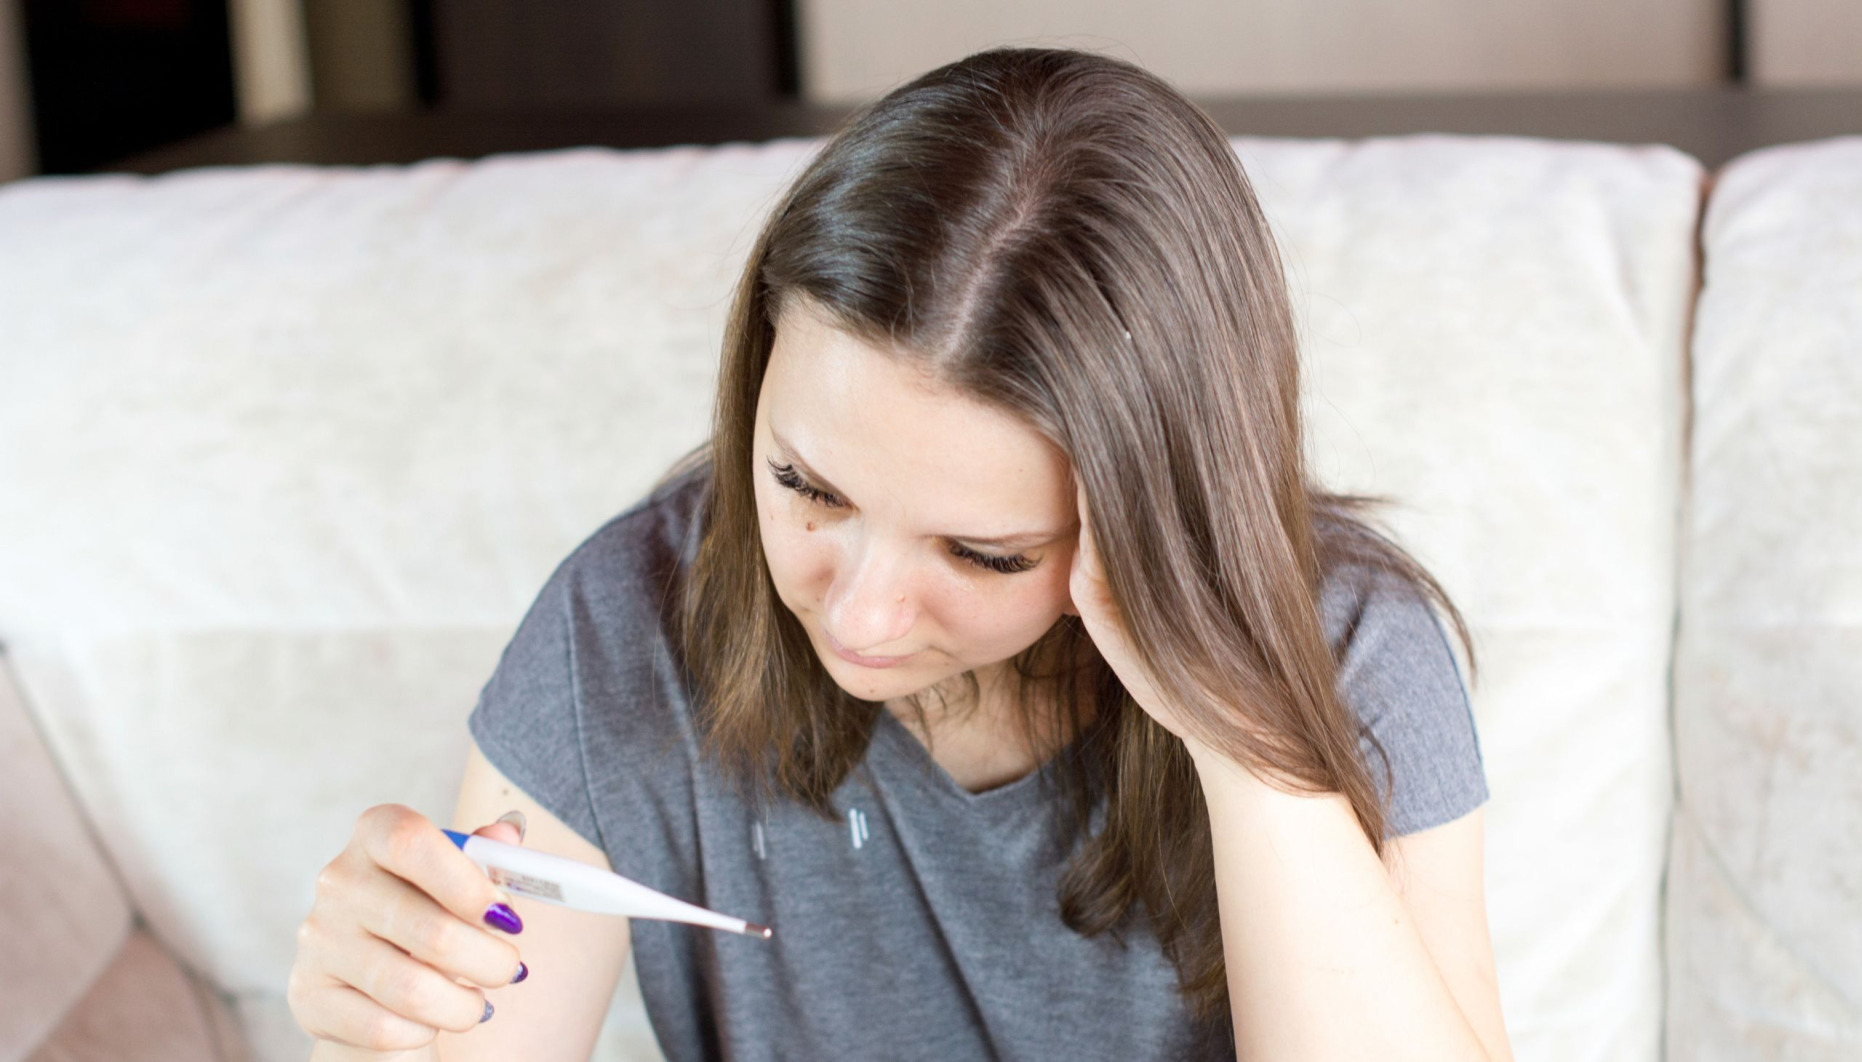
(905, 746)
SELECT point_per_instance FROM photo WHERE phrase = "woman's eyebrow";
(1016, 541)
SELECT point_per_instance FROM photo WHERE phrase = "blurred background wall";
(83, 82)
(16, 153)
(1806, 42)
(856, 48)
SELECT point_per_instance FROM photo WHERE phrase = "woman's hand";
(400, 942)
(1093, 598)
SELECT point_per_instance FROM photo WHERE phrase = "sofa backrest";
(1764, 945)
(289, 450)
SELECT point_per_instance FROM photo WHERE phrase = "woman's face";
(892, 555)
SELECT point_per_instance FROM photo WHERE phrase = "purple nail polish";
(500, 916)
(487, 1016)
(522, 972)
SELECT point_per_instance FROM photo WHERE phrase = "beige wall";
(17, 156)
(857, 49)
(1805, 42)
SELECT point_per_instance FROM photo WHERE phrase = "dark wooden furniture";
(1713, 125)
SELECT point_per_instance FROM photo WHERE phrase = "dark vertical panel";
(114, 77)
(426, 63)
(788, 50)
(593, 53)
(361, 55)
(1736, 31)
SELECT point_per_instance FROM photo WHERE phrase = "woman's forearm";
(1324, 962)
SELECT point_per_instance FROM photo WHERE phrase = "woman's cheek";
(798, 558)
(1001, 620)
(1037, 601)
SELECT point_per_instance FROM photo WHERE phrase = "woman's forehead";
(868, 423)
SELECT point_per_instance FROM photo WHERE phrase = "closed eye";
(787, 476)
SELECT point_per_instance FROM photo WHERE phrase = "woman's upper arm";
(1440, 875)
(575, 958)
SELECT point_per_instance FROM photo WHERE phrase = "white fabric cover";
(1765, 887)
(285, 452)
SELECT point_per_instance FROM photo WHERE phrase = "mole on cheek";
(811, 525)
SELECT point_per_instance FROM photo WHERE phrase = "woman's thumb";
(509, 828)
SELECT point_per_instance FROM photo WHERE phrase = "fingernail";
(487, 1016)
(515, 818)
(500, 916)
(522, 972)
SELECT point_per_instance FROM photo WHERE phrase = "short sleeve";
(1401, 678)
(587, 710)
(526, 719)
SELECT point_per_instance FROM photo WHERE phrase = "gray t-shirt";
(923, 924)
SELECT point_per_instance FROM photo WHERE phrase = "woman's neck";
(984, 742)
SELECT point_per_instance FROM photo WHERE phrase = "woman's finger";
(410, 920)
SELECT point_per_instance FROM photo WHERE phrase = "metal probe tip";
(751, 929)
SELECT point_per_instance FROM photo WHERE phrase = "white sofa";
(285, 452)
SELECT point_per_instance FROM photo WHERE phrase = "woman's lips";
(864, 661)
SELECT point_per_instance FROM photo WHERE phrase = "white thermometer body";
(567, 883)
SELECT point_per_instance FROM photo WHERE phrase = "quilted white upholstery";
(286, 451)
(1765, 887)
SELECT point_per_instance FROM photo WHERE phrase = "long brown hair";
(1063, 236)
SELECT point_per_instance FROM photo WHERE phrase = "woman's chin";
(879, 685)
(872, 684)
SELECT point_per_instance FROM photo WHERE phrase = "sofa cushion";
(62, 914)
(1496, 333)
(1764, 939)
(291, 450)
(143, 1007)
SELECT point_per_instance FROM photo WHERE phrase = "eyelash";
(787, 476)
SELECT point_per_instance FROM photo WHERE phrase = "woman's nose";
(867, 608)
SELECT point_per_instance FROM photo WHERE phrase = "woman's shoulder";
(1356, 594)
(640, 550)
(583, 679)
(1399, 675)
(1361, 579)
(664, 522)
(1390, 645)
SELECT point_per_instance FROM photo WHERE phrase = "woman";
(996, 650)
